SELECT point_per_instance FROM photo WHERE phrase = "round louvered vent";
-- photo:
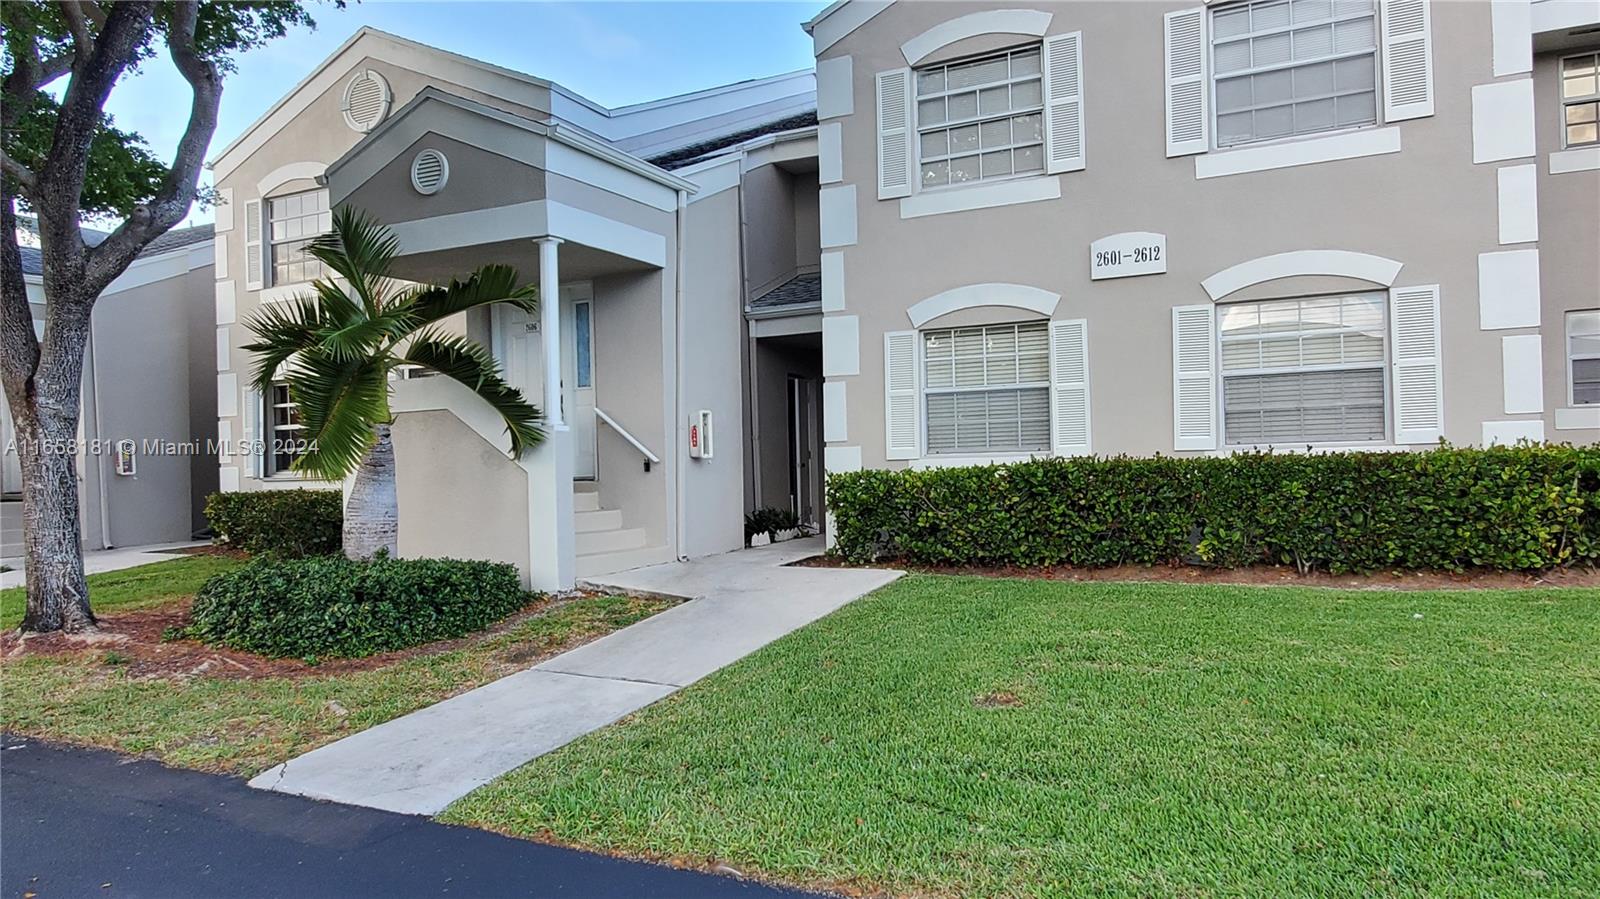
(366, 100)
(429, 171)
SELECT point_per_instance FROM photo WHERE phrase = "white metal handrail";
(650, 457)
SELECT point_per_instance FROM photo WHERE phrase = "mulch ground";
(1268, 575)
(136, 637)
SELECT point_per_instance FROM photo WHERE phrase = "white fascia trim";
(1578, 418)
(1344, 263)
(1308, 151)
(533, 219)
(977, 296)
(713, 178)
(277, 293)
(1561, 15)
(283, 174)
(835, 23)
(578, 140)
(981, 196)
(588, 168)
(1580, 159)
(637, 119)
(380, 45)
(150, 269)
(993, 21)
(785, 146)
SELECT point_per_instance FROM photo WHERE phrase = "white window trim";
(1213, 112)
(1578, 159)
(957, 459)
(1386, 365)
(1007, 190)
(1563, 102)
(1328, 146)
(270, 436)
(1566, 351)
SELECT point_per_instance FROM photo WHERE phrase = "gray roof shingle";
(176, 239)
(801, 290)
(683, 156)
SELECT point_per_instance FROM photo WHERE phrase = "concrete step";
(597, 564)
(585, 501)
(598, 520)
(609, 541)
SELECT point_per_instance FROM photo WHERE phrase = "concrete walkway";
(422, 762)
(96, 561)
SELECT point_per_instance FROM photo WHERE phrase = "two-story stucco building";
(977, 232)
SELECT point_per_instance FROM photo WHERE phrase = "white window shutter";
(252, 245)
(253, 415)
(1418, 380)
(1407, 60)
(1069, 387)
(894, 134)
(1063, 102)
(1188, 115)
(900, 400)
(1194, 392)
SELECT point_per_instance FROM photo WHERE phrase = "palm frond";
(361, 250)
(470, 364)
(339, 403)
(282, 328)
(488, 285)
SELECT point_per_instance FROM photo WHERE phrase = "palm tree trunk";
(372, 513)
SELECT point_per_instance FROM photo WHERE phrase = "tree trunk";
(58, 595)
(372, 513)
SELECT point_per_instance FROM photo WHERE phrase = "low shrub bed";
(334, 607)
(290, 524)
(1521, 508)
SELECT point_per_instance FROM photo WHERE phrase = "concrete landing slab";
(737, 603)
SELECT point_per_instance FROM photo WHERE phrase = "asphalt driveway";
(80, 822)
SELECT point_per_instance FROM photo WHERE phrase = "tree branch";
(78, 24)
(17, 172)
(176, 194)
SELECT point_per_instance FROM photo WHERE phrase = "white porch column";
(550, 327)
(552, 546)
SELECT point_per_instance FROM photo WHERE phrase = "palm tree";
(338, 347)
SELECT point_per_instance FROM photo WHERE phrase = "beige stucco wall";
(1429, 207)
(1569, 243)
(149, 376)
(459, 497)
(713, 311)
(631, 315)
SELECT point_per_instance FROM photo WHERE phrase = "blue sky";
(612, 53)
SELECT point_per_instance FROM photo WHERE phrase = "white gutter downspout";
(681, 466)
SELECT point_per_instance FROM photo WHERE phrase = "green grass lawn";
(977, 737)
(131, 588)
(244, 726)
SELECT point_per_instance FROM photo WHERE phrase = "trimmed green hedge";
(1521, 508)
(332, 606)
(290, 524)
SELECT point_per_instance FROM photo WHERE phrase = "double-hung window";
(987, 389)
(1283, 68)
(1303, 371)
(284, 441)
(1583, 357)
(293, 221)
(981, 119)
(1580, 99)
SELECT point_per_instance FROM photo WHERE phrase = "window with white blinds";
(987, 390)
(285, 442)
(1580, 99)
(1583, 357)
(981, 119)
(1305, 370)
(1289, 67)
(293, 221)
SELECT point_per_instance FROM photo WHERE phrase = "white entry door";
(577, 375)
